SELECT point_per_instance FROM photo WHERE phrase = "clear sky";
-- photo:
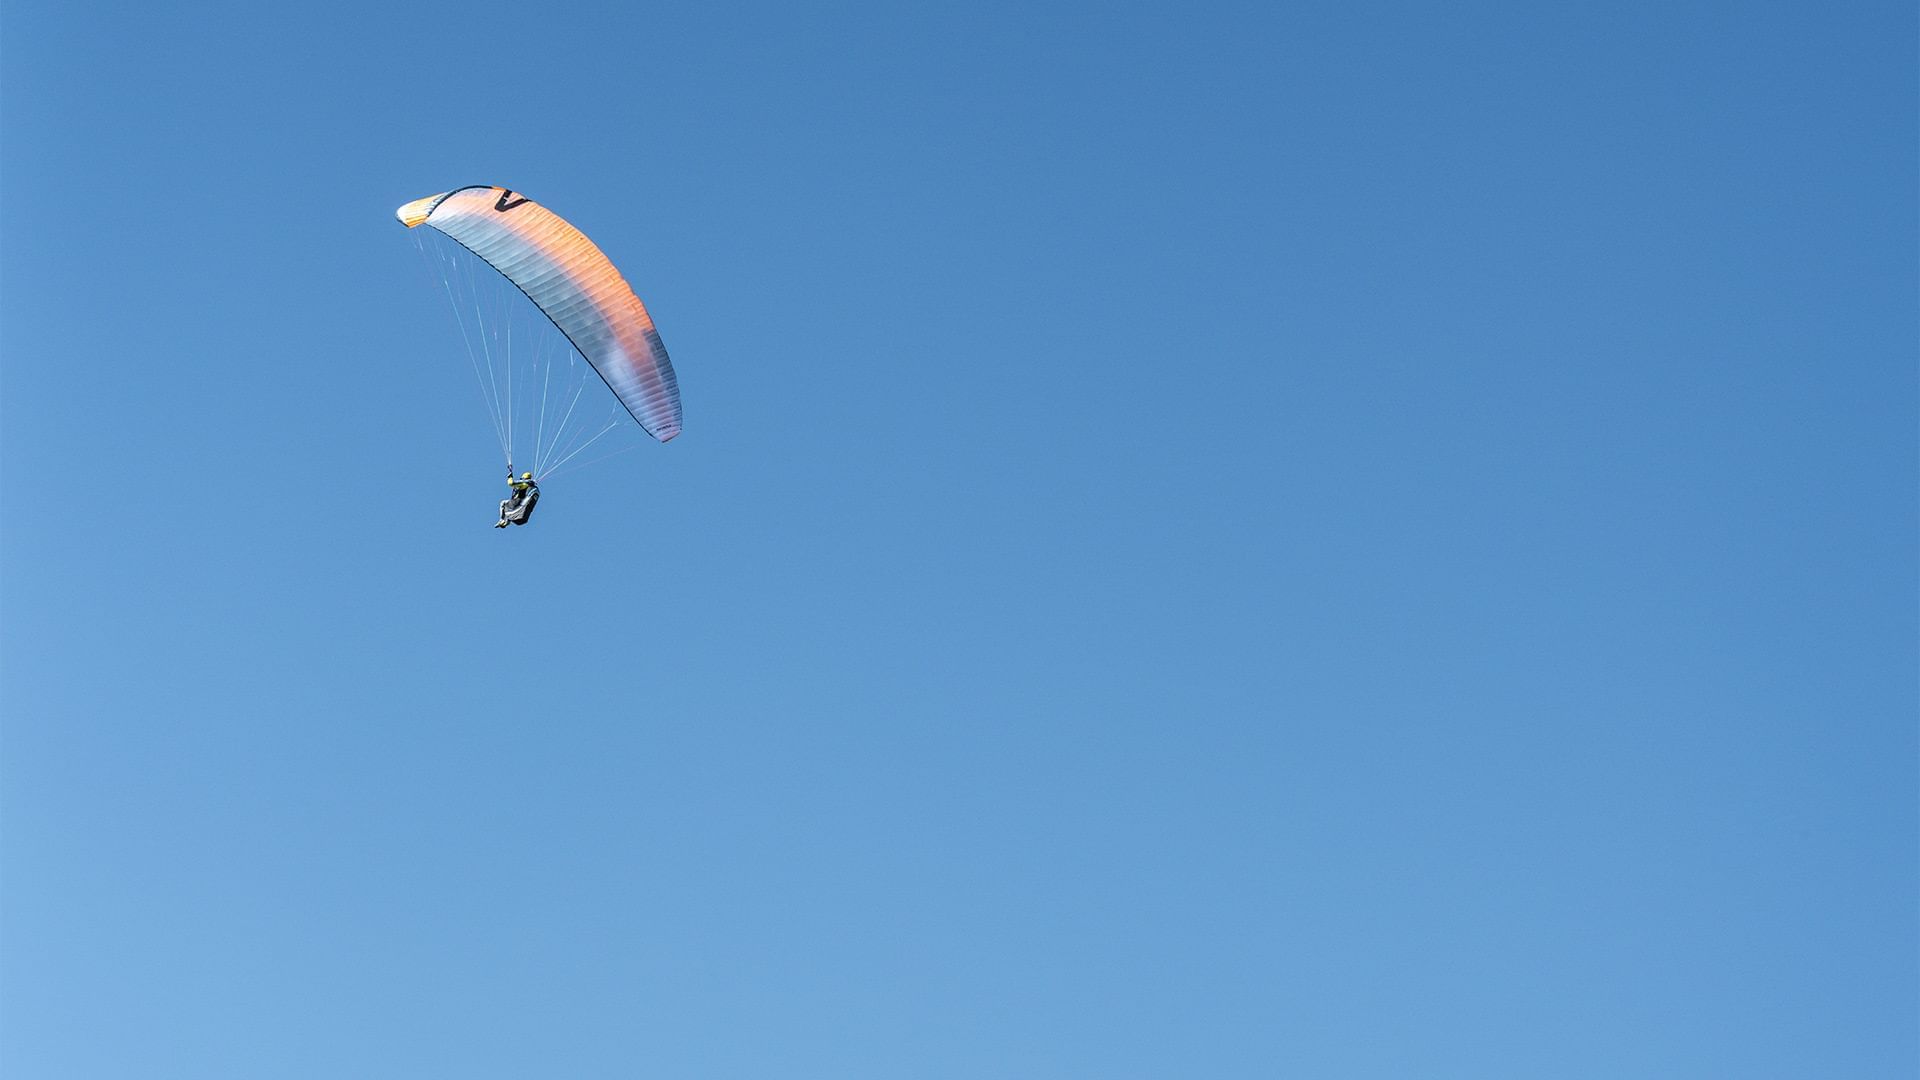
(1243, 540)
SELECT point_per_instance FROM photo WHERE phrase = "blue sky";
(1348, 540)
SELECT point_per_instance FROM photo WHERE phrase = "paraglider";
(517, 508)
(535, 255)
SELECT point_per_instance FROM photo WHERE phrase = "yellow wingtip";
(416, 211)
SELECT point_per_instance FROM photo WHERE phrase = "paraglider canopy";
(572, 283)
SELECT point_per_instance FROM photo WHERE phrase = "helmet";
(526, 476)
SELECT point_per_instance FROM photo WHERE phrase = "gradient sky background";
(1336, 540)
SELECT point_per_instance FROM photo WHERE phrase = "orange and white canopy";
(573, 283)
